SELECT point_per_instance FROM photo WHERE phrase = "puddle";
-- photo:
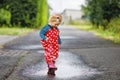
(69, 66)
(68, 37)
(30, 47)
(26, 47)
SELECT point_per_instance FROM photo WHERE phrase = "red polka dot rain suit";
(51, 47)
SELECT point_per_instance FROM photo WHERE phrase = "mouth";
(56, 24)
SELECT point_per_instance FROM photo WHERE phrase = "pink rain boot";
(52, 65)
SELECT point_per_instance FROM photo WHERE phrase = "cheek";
(53, 24)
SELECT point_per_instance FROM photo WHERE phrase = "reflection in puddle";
(68, 37)
(69, 66)
(28, 47)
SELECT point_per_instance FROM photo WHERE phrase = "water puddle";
(69, 66)
(26, 47)
(68, 37)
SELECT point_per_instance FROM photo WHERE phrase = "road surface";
(83, 56)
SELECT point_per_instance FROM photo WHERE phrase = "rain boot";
(51, 65)
(54, 65)
(51, 71)
(51, 68)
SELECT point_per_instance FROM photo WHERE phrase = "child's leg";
(51, 54)
(49, 58)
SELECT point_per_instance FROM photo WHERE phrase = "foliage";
(5, 17)
(101, 12)
(42, 14)
(114, 25)
(25, 12)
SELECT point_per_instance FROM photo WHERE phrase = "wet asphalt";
(83, 56)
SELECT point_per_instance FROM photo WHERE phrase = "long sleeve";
(59, 40)
(43, 31)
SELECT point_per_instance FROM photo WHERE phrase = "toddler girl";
(50, 40)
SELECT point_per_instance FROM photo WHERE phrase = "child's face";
(56, 23)
(55, 20)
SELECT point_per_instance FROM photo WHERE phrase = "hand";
(47, 39)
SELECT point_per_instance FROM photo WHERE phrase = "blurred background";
(98, 15)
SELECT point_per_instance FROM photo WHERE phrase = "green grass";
(15, 31)
(85, 27)
(109, 35)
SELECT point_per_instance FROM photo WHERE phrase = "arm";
(43, 31)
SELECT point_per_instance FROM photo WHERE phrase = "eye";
(58, 18)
